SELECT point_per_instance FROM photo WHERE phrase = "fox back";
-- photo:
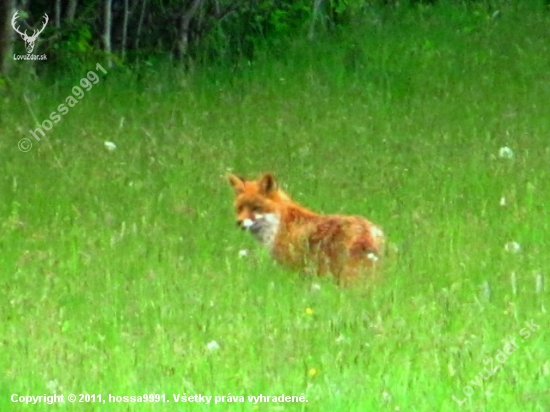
(298, 238)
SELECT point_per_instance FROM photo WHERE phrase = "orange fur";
(301, 239)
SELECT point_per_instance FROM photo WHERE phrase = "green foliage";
(73, 51)
(262, 25)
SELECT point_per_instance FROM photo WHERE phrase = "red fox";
(302, 240)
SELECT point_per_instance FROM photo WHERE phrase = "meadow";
(121, 270)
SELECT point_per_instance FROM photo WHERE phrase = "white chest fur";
(265, 227)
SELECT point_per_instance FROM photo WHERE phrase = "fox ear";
(236, 182)
(267, 184)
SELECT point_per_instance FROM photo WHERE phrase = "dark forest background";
(194, 32)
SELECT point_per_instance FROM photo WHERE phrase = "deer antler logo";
(29, 40)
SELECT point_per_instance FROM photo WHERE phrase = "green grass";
(119, 268)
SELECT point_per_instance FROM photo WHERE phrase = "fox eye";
(256, 209)
(240, 208)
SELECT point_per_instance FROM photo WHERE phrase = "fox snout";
(245, 224)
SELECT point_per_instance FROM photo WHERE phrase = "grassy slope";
(119, 267)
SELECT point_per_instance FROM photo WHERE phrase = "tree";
(107, 25)
(81, 31)
(7, 8)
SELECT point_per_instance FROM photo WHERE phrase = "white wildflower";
(212, 346)
(506, 153)
(512, 247)
(315, 287)
(110, 146)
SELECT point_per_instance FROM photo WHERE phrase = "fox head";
(258, 204)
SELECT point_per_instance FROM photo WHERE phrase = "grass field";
(121, 271)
